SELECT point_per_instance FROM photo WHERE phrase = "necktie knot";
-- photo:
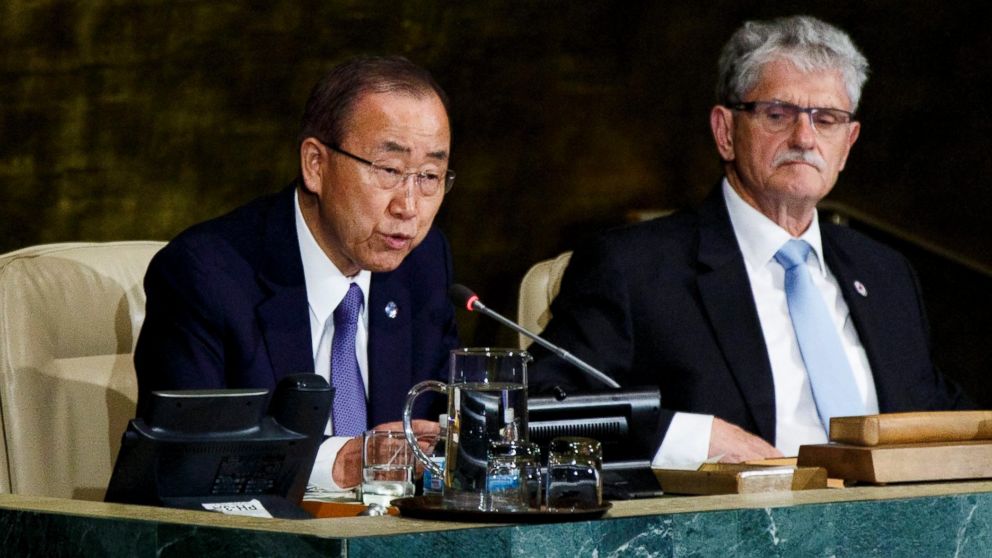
(793, 253)
(349, 308)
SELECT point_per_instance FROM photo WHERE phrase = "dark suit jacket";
(227, 308)
(668, 303)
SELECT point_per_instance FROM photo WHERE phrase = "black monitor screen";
(626, 424)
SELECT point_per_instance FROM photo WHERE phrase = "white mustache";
(800, 156)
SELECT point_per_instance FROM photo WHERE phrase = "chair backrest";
(537, 289)
(69, 318)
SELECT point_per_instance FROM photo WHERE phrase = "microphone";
(464, 296)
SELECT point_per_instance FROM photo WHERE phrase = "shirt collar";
(326, 285)
(759, 237)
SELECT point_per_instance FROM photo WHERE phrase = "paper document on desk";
(739, 478)
(319, 494)
(251, 508)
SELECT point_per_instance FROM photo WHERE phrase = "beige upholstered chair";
(69, 318)
(537, 289)
(541, 283)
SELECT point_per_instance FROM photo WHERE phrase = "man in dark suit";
(340, 274)
(757, 323)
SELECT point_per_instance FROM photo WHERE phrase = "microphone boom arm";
(565, 355)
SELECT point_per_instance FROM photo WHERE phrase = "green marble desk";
(953, 519)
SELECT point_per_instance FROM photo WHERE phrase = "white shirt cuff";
(323, 466)
(686, 444)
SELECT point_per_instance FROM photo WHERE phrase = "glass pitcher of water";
(487, 401)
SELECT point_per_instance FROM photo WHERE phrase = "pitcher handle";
(411, 437)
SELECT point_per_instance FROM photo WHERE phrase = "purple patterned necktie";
(349, 391)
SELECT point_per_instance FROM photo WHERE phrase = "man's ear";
(312, 156)
(852, 137)
(722, 125)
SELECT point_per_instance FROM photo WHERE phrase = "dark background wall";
(126, 120)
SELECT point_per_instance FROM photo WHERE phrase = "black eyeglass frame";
(751, 107)
(449, 175)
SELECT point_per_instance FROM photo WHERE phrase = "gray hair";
(807, 43)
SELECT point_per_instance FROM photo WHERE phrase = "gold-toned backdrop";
(135, 119)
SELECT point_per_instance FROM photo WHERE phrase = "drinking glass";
(530, 469)
(387, 467)
(513, 473)
(574, 474)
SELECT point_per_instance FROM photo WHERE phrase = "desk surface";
(814, 522)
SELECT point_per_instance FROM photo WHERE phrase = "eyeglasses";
(776, 116)
(388, 176)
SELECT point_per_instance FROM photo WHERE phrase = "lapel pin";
(392, 309)
(860, 287)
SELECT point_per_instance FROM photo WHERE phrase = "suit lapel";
(725, 290)
(287, 336)
(390, 345)
(284, 316)
(872, 331)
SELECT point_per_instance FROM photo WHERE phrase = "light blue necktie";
(830, 375)
(349, 391)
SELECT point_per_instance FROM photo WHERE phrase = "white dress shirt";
(326, 288)
(686, 443)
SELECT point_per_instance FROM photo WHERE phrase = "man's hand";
(347, 469)
(735, 445)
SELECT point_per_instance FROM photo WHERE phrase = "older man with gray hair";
(757, 322)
